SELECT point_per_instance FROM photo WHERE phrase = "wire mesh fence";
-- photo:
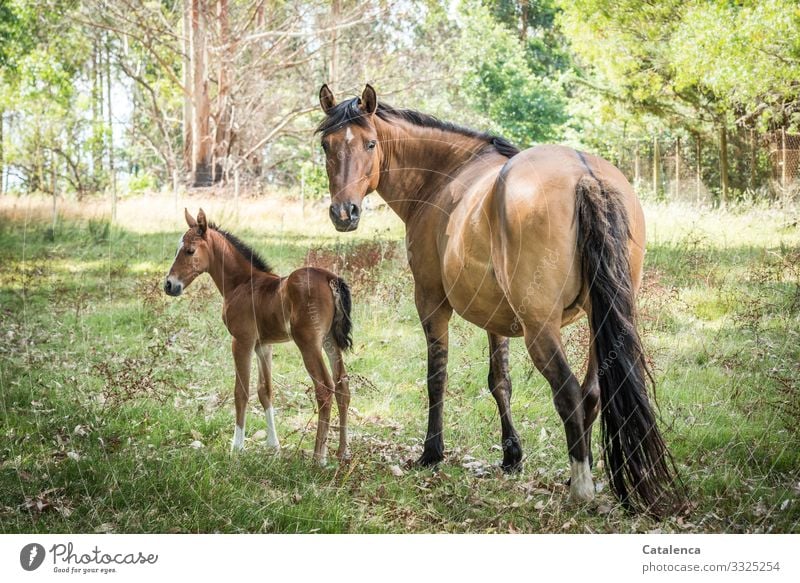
(753, 166)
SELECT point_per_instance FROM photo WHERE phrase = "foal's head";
(352, 153)
(193, 256)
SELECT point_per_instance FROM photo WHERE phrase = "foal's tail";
(342, 326)
(640, 469)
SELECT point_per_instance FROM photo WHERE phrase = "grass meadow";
(116, 401)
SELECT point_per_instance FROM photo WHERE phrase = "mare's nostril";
(353, 212)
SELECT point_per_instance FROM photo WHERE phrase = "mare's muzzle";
(345, 216)
(173, 287)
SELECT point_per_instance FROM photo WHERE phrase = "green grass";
(105, 383)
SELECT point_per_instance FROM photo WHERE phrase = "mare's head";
(192, 257)
(352, 153)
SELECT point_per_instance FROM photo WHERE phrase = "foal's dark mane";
(348, 112)
(243, 248)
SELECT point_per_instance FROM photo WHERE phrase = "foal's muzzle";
(173, 287)
(345, 216)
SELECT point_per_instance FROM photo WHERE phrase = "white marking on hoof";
(348, 136)
(238, 439)
(581, 487)
(272, 435)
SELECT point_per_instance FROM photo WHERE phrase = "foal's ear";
(189, 219)
(202, 225)
(326, 99)
(369, 100)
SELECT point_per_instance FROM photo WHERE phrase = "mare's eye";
(325, 146)
(371, 145)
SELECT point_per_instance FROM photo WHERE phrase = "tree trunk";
(111, 168)
(187, 84)
(523, 30)
(333, 66)
(201, 140)
(97, 114)
(723, 162)
(222, 137)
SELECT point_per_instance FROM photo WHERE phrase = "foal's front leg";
(242, 357)
(264, 353)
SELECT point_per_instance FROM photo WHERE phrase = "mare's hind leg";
(242, 357)
(544, 347)
(342, 391)
(500, 387)
(590, 389)
(311, 349)
(264, 354)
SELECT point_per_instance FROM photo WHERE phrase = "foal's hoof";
(512, 456)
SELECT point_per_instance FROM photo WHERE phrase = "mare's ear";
(369, 100)
(326, 99)
(202, 225)
(189, 219)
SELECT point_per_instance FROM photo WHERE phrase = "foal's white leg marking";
(348, 136)
(581, 487)
(238, 438)
(272, 435)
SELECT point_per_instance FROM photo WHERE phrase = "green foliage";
(142, 182)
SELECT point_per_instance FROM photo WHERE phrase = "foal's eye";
(371, 145)
(190, 251)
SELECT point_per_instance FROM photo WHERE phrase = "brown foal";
(310, 307)
(520, 243)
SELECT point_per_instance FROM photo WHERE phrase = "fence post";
(678, 168)
(783, 159)
(637, 174)
(656, 167)
(723, 162)
(699, 178)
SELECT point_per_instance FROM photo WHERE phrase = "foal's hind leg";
(311, 349)
(264, 354)
(500, 387)
(342, 390)
(544, 346)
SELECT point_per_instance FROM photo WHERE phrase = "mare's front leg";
(264, 354)
(500, 387)
(434, 313)
(242, 357)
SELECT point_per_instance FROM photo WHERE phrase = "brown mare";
(520, 244)
(311, 307)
